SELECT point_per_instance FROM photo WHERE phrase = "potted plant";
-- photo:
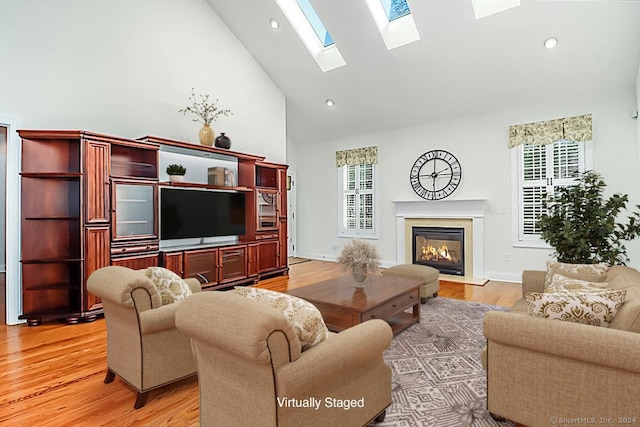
(207, 112)
(176, 173)
(581, 224)
(361, 257)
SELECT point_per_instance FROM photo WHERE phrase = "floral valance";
(357, 156)
(577, 128)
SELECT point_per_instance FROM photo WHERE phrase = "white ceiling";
(460, 67)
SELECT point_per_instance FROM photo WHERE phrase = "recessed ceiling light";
(330, 103)
(551, 42)
(274, 24)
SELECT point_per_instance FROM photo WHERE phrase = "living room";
(126, 70)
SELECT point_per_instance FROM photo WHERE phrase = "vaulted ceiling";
(460, 67)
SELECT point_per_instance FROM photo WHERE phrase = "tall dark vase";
(223, 141)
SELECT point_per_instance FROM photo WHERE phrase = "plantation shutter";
(357, 173)
(545, 168)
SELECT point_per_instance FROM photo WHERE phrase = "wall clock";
(435, 175)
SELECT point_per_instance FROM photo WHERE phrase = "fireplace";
(439, 247)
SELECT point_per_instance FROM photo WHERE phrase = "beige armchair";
(144, 348)
(251, 370)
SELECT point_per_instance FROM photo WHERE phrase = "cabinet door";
(283, 243)
(97, 164)
(97, 255)
(268, 255)
(134, 210)
(173, 261)
(282, 193)
(138, 262)
(252, 259)
(267, 210)
(233, 264)
(203, 265)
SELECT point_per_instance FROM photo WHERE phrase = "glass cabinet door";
(267, 213)
(134, 210)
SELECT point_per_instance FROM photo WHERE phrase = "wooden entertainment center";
(91, 200)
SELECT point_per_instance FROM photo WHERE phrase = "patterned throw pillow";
(596, 309)
(561, 283)
(304, 316)
(171, 287)
(588, 272)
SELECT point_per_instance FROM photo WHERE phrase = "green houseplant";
(581, 224)
(176, 172)
(361, 257)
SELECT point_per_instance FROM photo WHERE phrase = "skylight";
(395, 8)
(316, 23)
(394, 21)
(313, 33)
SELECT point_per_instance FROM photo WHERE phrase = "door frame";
(292, 231)
(13, 277)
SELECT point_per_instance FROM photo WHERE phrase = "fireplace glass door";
(439, 247)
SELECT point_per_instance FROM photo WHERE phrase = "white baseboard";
(333, 258)
(503, 277)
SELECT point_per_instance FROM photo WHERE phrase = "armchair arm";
(116, 284)
(533, 281)
(347, 355)
(159, 319)
(591, 344)
(194, 284)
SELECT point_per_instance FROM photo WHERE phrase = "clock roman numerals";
(435, 175)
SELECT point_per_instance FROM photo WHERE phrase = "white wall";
(480, 144)
(125, 68)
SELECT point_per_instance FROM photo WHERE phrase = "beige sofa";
(144, 348)
(251, 370)
(542, 372)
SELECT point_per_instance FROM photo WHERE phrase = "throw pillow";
(171, 287)
(561, 283)
(588, 272)
(597, 309)
(304, 316)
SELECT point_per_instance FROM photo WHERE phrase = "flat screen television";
(187, 213)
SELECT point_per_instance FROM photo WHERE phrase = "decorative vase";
(223, 141)
(176, 178)
(206, 135)
(359, 274)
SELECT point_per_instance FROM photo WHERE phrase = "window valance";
(577, 128)
(357, 156)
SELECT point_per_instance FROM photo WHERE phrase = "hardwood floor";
(53, 374)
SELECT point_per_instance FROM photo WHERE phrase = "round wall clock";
(435, 175)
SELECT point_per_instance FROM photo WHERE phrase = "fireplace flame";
(431, 253)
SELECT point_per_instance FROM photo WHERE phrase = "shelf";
(206, 186)
(51, 261)
(53, 286)
(133, 201)
(139, 165)
(141, 221)
(52, 218)
(51, 175)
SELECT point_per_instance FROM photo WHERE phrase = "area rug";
(438, 379)
(295, 260)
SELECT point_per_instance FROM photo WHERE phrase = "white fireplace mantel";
(444, 209)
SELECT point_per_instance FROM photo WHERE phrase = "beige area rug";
(437, 379)
(295, 260)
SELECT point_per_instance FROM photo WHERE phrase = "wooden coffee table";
(384, 297)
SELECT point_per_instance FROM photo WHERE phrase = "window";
(313, 33)
(357, 200)
(395, 8)
(540, 171)
(394, 21)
